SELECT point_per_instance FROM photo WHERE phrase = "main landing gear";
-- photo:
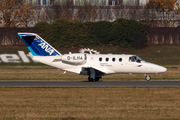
(96, 79)
(148, 78)
(93, 76)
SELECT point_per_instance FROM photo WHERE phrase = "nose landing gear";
(148, 78)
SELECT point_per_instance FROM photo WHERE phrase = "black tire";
(97, 78)
(90, 79)
(148, 78)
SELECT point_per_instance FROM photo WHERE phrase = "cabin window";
(113, 59)
(120, 59)
(107, 59)
(100, 59)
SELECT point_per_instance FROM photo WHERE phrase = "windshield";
(138, 59)
(135, 58)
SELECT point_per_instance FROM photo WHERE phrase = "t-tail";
(37, 46)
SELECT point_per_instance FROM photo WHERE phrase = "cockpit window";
(138, 59)
(135, 59)
(131, 59)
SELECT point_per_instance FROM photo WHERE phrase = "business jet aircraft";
(93, 65)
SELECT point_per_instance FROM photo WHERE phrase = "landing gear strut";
(92, 75)
(148, 78)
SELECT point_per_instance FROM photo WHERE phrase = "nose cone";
(153, 68)
(161, 69)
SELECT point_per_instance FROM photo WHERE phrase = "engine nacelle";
(74, 59)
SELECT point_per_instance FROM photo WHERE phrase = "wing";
(98, 71)
(103, 70)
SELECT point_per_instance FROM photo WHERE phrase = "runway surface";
(89, 84)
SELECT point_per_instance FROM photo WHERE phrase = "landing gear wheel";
(97, 78)
(90, 79)
(148, 78)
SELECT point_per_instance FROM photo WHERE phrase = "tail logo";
(47, 48)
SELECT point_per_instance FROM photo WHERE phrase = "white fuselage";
(106, 63)
(93, 65)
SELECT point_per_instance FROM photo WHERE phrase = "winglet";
(37, 46)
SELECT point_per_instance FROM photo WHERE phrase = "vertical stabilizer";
(37, 46)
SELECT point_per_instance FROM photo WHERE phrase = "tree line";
(155, 35)
(156, 13)
(123, 33)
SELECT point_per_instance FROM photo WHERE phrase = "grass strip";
(49, 73)
(89, 103)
